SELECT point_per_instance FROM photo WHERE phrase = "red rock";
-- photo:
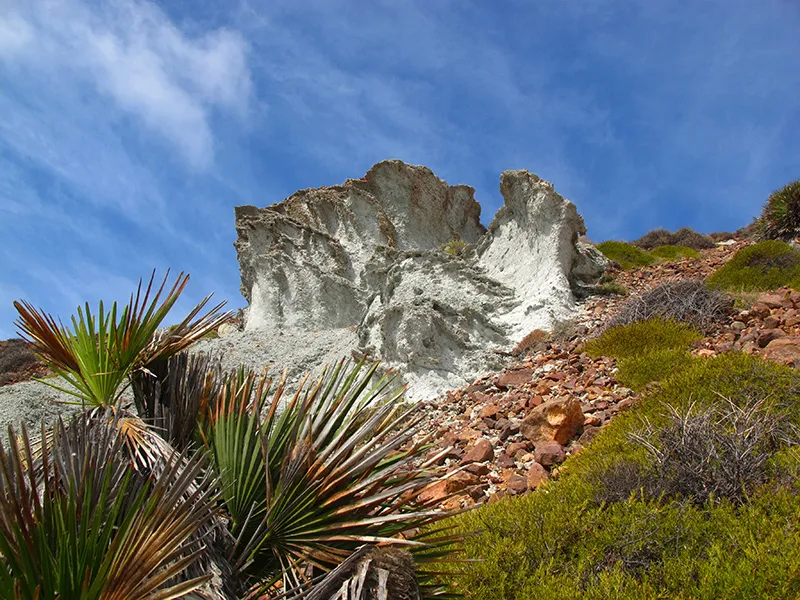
(767, 335)
(504, 461)
(759, 310)
(548, 454)
(468, 434)
(479, 469)
(785, 350)
(460, 480)
(772, 322)
(490, 410)
(517, 484)
(588, 435)
(535, 401)
(513, 378)
(557, 420)
(793, 321)
(537, 476)
(436, 492)
(478, 492)
(515, 447)
(771, 300)
(592, 421)
(480, 452)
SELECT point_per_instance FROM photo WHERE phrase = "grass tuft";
(672, 252)
(763, 266)
(627, 255)
(636, 372)
(637, 339)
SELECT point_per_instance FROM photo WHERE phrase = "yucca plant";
(77, 523)
(96, 357)
(780, 217)
(308, 480)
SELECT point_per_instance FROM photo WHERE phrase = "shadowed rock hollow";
(363, 264)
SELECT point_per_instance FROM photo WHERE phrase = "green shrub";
(763, 266)
(607, 286)
(571, 540)
(626, 255)
(672, 252)
(455, 247)
(780, 217)
(636, 339)
(636, 372)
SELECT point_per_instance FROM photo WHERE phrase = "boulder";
(557, 420)
(784, 350)
(548, 454)
(396, 265)
(480, 452)
(766, 336)
(537, 476)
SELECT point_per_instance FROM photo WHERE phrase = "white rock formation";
(366, 257)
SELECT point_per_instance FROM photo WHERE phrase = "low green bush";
(763, 266)
(780, 217)
(574, 540)
(637, 339)
(674, 252)
(455, 247)
(636, 372)
(608, 286)
(627, 255)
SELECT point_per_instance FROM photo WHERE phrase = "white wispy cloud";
(132, 54)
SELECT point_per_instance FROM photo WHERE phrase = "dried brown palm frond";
(77, 523)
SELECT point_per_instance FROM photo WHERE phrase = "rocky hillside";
(509, 431)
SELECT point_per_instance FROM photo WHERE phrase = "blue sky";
(129, 130)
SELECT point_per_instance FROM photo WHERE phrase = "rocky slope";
(507, 432)
(364, 263)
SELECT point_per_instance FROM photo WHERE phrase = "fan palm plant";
(77, 523)
(308, 480)
(100, 353)
(97, 356)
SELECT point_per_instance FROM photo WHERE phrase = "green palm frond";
(96, 356)
(310, 479)
(77, 523)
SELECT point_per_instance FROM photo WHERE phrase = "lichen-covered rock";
(375, 256)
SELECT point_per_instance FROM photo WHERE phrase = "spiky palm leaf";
(98, 354)
(320, 475)
(76, 523)
(169, 395)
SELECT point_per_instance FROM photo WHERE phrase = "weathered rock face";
(367, 256)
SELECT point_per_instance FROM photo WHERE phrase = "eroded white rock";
(367, 256)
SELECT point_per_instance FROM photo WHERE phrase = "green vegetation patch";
(637, 339)
(636, 372)
(593, 534)
(627, 255)
(455, 247)
(674, 252)
(608, 286)
(763, 266)
(780, 217)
